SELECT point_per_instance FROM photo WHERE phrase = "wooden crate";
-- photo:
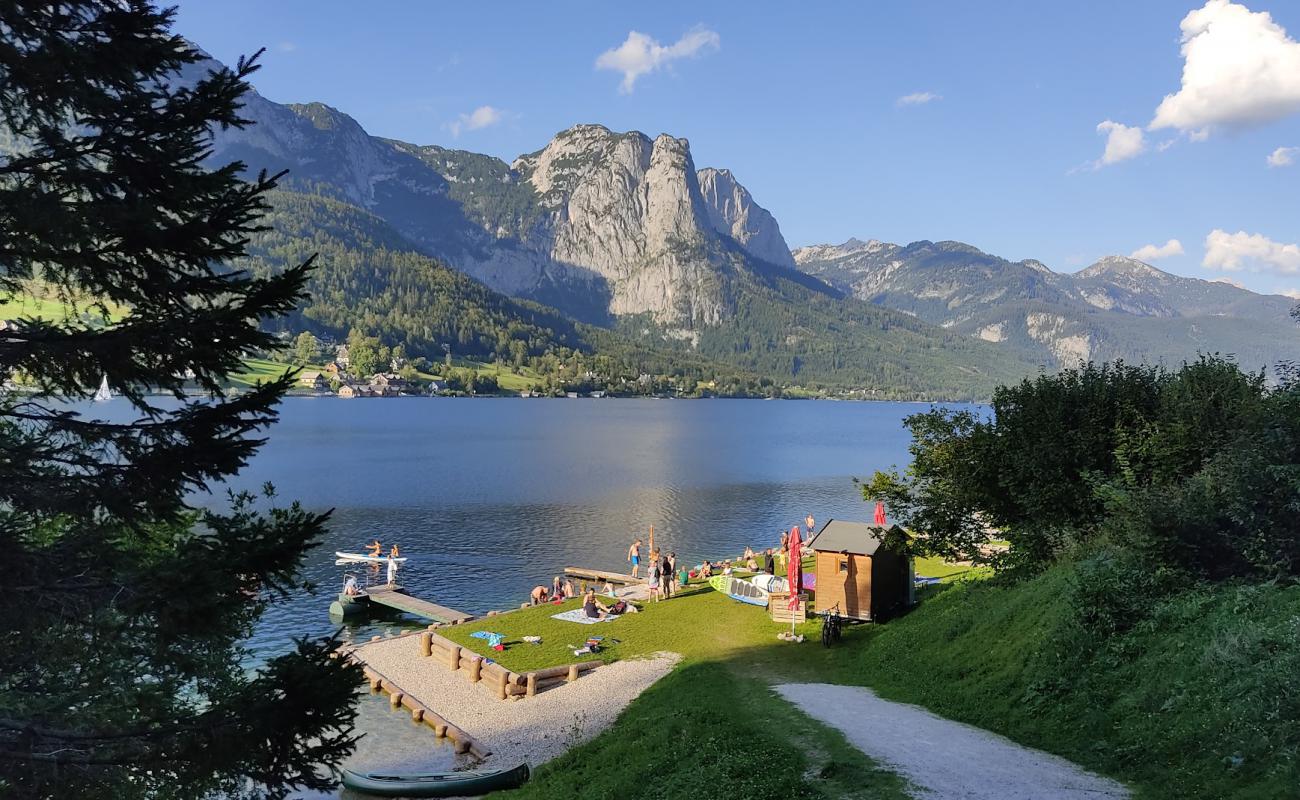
(778, 605)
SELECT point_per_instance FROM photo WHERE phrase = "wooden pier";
(394, 596)
(601, 575)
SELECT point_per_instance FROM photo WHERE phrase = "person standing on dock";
(392, 571)
(666, 575)
(634, 557)
(808, 526)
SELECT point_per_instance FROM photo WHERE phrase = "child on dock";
(652, 577)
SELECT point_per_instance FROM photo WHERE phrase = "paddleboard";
(738, 589)
(366, 557)
(770, 583)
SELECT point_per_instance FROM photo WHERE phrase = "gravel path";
(534, 729)
(946, 760)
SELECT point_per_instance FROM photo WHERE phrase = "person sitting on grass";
(569, 590)
(706, 569)
(538, 596)
(592, 607)
(557, 588)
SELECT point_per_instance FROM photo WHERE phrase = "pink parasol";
(880, 514)
(794, 566)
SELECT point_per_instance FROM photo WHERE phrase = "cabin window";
(843, 564)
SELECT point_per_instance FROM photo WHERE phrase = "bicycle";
(831, 626)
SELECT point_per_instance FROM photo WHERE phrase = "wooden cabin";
(855, 570)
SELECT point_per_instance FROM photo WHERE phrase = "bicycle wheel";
(836, 630)
(827, 632)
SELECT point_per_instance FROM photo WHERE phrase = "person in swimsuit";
(538, 596)
(634, 557)
(557, 588)
(375, 548)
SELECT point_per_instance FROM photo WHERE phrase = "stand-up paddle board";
(738, 589)
(350, 557)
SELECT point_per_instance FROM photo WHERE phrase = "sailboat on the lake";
(104, 392)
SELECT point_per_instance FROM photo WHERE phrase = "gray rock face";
(1116, 308)
(733, 212)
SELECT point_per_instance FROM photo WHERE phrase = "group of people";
(661, 570)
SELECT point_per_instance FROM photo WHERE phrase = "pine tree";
(123, 608)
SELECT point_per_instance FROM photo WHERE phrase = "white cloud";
(1233, 252)
(1239, 68)
(640, 55)
(1292, 293)
(917, 99)
(1122, 142)
(1152, 252)
(286, 47)
(1283, 156)
(481, 117)
(1230, 282)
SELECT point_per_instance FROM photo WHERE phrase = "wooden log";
(476, 670)
(573, 673)
(417, 715)
(532, 684)
(462, 746)
(426, 644)
(546, 683)
(395, 699)
(501, 684)
(563, 669)
(453, 657)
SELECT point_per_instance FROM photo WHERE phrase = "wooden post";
(417, 715)
(462, 746)
(532, 684)
(475, 670)
(426, 644)
(453, 660)
(440, 730)
(395, 699)
(573, 673)
(652, 540)
(501, 684)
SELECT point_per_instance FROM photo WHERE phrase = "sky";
(1057, 131)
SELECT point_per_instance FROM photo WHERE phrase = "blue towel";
(493, 639)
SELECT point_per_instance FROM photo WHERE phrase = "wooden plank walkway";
(395, 597)
(601, 575)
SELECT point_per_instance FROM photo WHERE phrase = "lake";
(490, 497)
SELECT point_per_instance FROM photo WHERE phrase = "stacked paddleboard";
(740, 589)
(350, 558)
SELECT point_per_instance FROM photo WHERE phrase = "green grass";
(258, 369)
(705, 730)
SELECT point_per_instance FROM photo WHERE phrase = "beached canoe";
(739, 589)
(351, 557)
(436, 784)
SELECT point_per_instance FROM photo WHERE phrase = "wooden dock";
(395, 597)
(601, 575)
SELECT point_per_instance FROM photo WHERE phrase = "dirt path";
(946, 760)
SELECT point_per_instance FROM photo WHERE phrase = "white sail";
(104, 392)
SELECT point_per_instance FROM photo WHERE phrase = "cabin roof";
(843, 536)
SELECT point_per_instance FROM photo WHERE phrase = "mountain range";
(623, 232)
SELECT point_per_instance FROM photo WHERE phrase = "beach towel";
(494, 640)
(577, 615)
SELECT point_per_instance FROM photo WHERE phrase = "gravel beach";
(535, 729)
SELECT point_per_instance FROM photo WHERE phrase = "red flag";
(880, 514)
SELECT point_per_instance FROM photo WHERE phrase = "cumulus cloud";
(1283, 156)
(1292, 293)
(917, 99)
(1155, 252)
(1233, 252)
(1230, 282)
(1122, 142)
(481, 117)
(640, 55)
(1240, 68)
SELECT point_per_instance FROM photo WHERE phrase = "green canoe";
(436, 784)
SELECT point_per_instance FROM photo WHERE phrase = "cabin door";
(857, 588)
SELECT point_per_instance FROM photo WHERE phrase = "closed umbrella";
(794, 569)
(880, 513)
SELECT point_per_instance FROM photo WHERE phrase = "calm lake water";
(490, 497)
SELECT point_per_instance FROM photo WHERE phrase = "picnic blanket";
(493, 639)
(579, 616)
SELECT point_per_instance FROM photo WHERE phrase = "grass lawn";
(258, 369)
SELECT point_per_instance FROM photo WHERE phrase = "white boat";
(354, 557)
(104, 392)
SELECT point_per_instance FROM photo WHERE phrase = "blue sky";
(804, 103)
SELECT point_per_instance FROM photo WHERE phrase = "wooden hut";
(854, 568)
